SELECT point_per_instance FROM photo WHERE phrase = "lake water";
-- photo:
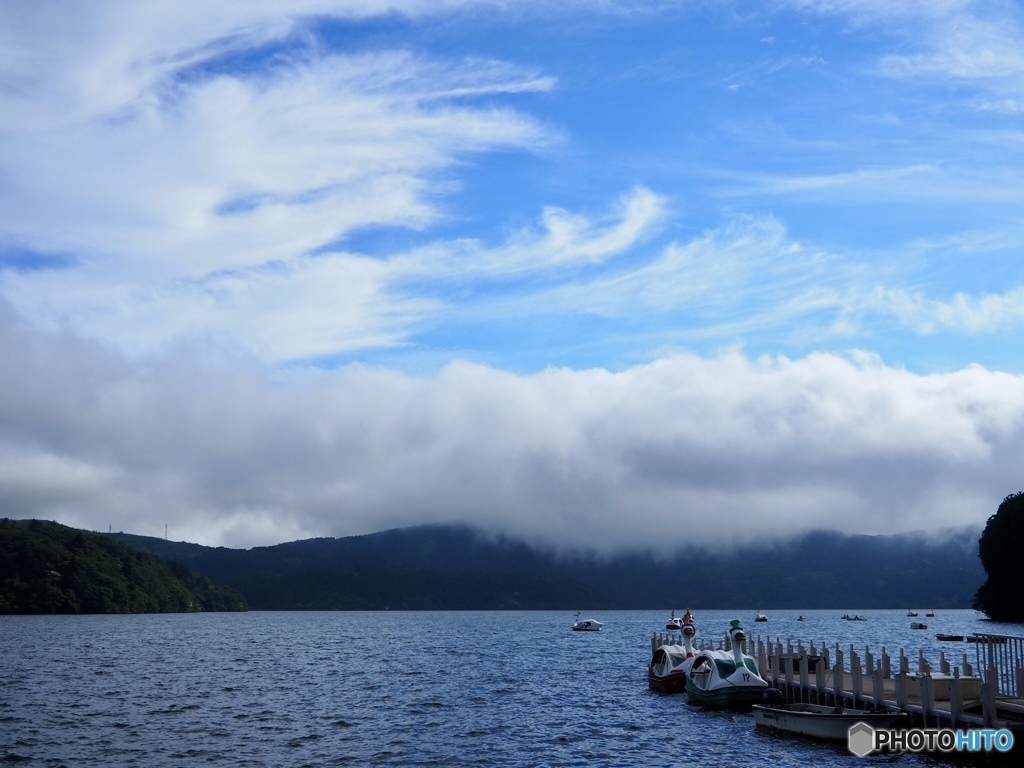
(397, 689)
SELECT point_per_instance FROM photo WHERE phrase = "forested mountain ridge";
(454, 567)
(47, 568)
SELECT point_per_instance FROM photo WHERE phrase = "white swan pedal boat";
(726, 679)
(586, 625)
(670, 662)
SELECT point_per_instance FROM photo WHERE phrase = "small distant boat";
(760, 616)
(670, 663)
(800, 617)
(930, 615)
(951, 638)
(848, 617)
(586, 625)
(918, 625)
(912, 614)
(726, 679)
(675, 622)
(819, 721)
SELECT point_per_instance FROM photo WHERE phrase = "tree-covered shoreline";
(48, 568)
(444, 567)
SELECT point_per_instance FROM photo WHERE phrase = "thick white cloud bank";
(680, 451)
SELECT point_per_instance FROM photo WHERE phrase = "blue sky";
(566, 270)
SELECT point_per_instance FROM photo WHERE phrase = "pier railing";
(957, 692)
(954, 692)
(1005, 654)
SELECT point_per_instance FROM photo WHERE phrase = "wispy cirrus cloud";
(311, 305)
(961, 313)
(196, 197)
(887, 181)
(965, 47)
(212, 173)
(962, 39)
(750, 276)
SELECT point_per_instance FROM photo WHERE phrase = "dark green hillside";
(49, 568)
(422, 568)
(815, 571)
(447, 567)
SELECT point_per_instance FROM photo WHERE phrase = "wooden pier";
(986, 691)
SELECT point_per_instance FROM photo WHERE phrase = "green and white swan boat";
(727, 679)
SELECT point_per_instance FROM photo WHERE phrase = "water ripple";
(389, 689)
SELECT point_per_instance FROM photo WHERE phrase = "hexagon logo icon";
(860, 739)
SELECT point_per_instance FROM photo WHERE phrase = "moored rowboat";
(822, 722)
